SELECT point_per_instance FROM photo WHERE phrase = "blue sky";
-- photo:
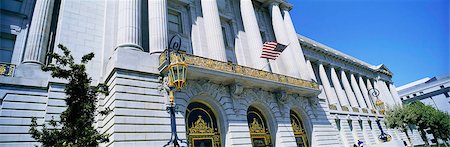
(411, 37)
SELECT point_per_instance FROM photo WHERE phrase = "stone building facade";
(312, 95)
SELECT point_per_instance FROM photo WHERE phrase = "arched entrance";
(259, 130)
(299, 130)
(202, 128)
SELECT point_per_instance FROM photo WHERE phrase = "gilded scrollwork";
(242, 70)
(7, 69)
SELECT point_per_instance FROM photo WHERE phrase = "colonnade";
(349, 91)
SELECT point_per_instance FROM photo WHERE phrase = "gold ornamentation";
(355, 109)
(201, 127)
(332, 107)
(255, 127)
(379, 102)
(296, 127)
(344, 108)
(7, 69)
(242, 70)
(373, 111)
(382, 111)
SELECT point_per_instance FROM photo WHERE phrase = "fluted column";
(337, 86)
(326, 86)
(394, 93)
(373, 99)
(129, 28)
(286, 62)
(348, 90)
(157, 21)
(365, 92)
(295, 46)
(387, 93)
(313, 76)
(254, 39)
(357, 91)
(377, 84)
(213, 30)
(37, 42)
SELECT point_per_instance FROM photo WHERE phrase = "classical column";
(348, 90)
(157, 21)
(213, 30)
(295, 45)
(394, 93)
(332, 99)
(286, 62)
(365, 92)
(337, 86)
(357, 91)
(387, 93)
(373, 99)
(129, 28)
(37, 42)
(383, 97)
(253, 35)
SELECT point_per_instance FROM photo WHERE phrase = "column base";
(129, 46)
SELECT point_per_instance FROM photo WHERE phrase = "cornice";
(330, 52)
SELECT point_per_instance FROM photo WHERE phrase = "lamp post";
(177, 72)
(383, 137)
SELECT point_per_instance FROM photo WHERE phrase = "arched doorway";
(202, 127)
(299, 130)
(259, 130)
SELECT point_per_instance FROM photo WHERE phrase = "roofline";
(343, 56)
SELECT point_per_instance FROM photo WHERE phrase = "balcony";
(200, 68)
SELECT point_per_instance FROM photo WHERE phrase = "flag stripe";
(271, 50)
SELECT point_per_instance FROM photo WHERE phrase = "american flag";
(271, 50)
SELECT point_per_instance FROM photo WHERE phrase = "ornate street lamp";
(383, 137)
(177, 71)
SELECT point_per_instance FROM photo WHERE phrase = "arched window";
(299, 130)
(202, 128)
(259, 130)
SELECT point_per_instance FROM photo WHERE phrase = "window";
(370, 124)
(175, 23)
(360, 124)
(338, 124)
(407, 96)
(259, 130)
(350, 124)
(414, 95)
(202, 128)
(6, 47)
(225, 37)
(299, 130)
(442, 86)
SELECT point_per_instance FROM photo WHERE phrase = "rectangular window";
(225, 37)
(175, 24)
(6, 47)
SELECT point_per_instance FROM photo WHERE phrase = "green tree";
(422, 116)
(76, 122)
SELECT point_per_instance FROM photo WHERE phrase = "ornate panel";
(7, 69)
(299, 130)
(202, 128)
(259, 130)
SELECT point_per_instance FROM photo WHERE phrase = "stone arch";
(302, 107)
(263, 99)
(213, 95)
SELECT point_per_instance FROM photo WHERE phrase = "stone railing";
(241, 70)
(7, 69)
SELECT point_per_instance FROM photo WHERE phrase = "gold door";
(202, 128)
(259, 131)
(299, 131)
